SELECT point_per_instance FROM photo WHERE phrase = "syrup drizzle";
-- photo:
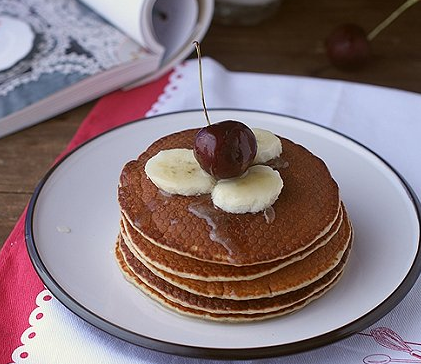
(278, 163)
(219, 229)
(269, 214)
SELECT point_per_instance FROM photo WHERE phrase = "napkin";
(37, 328)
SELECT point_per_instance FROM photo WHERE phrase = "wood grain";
(291, 42)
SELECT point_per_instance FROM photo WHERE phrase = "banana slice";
(269, 146)
(256, 190)
(177, 171)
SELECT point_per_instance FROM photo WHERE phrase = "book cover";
(58, 54)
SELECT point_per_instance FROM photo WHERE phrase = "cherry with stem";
(225, 149)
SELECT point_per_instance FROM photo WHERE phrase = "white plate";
(73, 221)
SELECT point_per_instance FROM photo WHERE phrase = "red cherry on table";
(225, 149)
(347, 47)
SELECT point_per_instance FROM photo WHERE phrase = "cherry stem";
(407, 4)
(199, 57)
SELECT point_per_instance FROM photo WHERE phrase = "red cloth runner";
(19, 283)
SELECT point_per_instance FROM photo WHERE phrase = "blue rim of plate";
(222, 353)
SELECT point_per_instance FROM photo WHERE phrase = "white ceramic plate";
(73, 221)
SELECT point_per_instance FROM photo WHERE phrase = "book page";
(204, 18)
(128, 15)
(154, 24)
(173, 23)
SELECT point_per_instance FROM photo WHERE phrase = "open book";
(59, 54)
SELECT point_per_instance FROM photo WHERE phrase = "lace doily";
(71, 42)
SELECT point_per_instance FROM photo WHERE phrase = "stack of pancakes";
(203, 262)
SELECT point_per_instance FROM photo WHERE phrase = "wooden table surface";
(291, 42)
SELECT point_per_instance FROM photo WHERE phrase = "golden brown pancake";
(187, 267)
(228, 317)
(305, 211)
(292, 277)
(217, 305)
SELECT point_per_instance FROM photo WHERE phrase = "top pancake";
(305, 210)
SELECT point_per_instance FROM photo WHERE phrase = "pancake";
(187, 267)
(191, 226)
(200, 261)
(292, 277)
(197, 313)
(217, 305)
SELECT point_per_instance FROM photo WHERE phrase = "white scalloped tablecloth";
(385, 120)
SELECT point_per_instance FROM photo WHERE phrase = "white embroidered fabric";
(371, 115)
